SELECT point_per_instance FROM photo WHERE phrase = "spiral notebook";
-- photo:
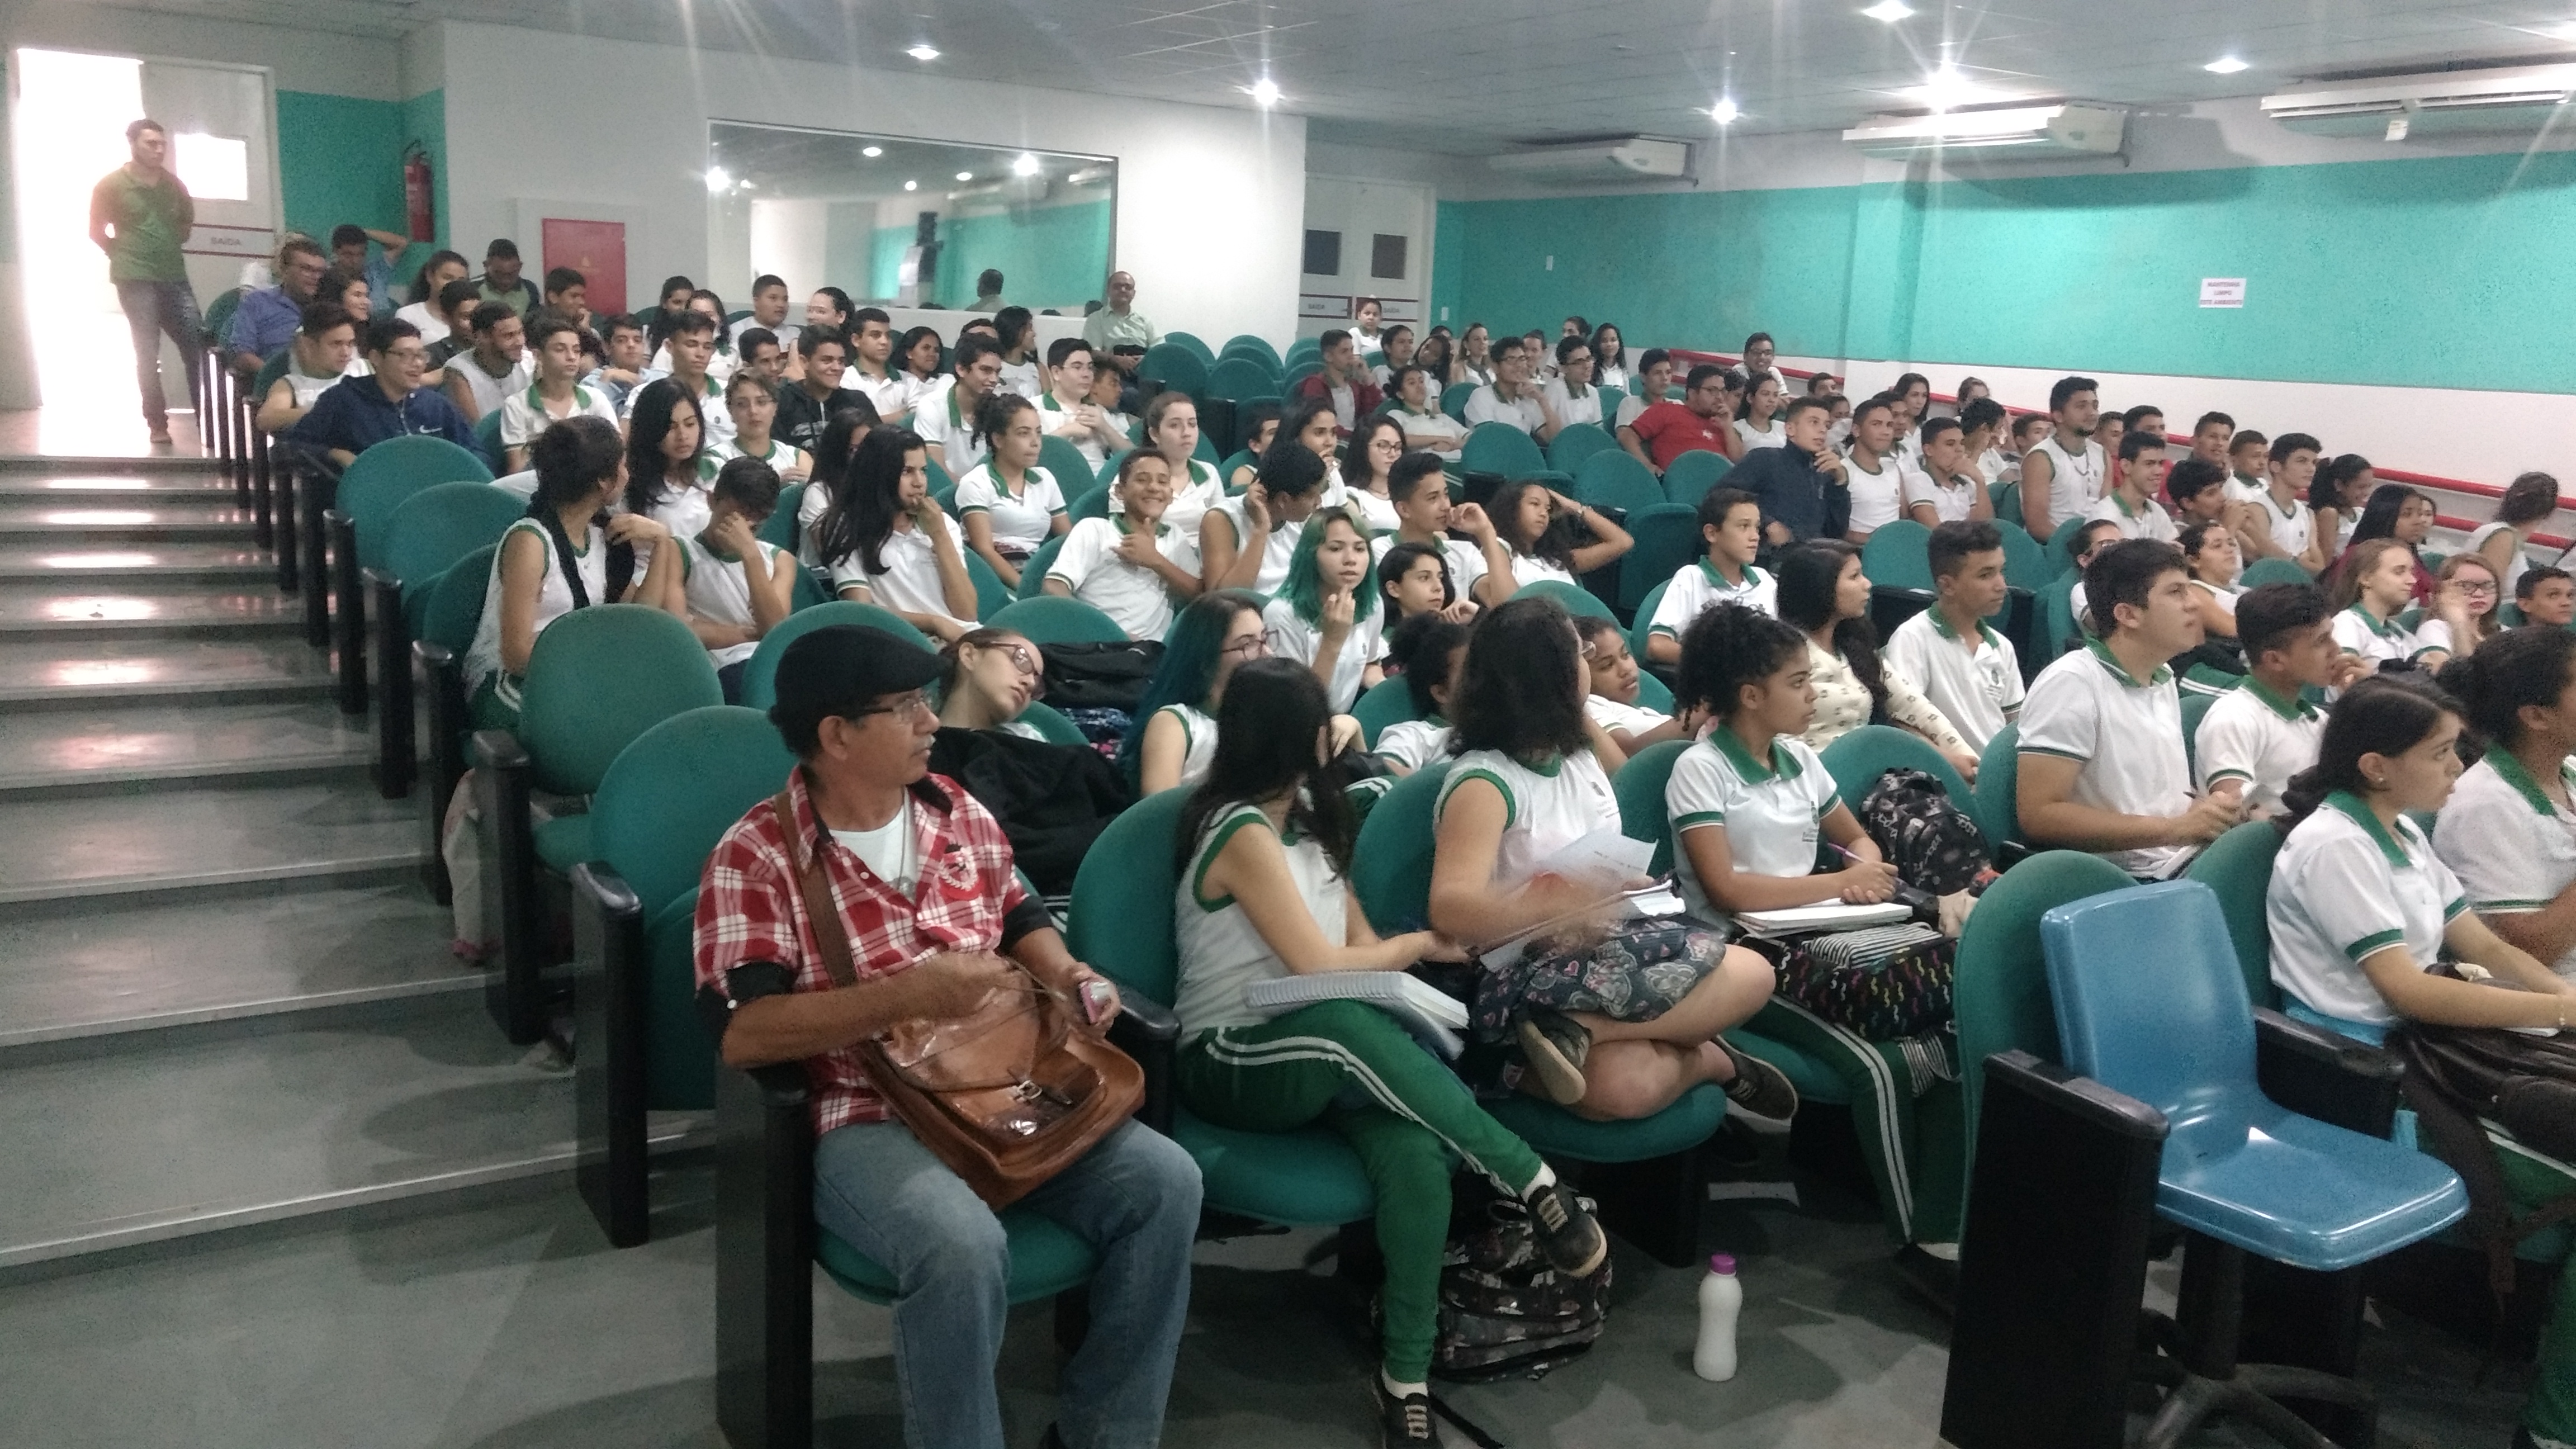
(1822, 916)
(1434, 1019)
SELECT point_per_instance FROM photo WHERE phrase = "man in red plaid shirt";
(921, 876)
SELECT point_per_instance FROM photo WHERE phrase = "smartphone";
(1097, 996)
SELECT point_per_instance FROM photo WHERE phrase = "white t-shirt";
(943, 424)
(554, 600)
(1275, 554)
(1485, 405)
(1466, 562)
(1221, 953)
(2513, 850)
(2254, 735)
(1021, 521)
(811, 505)
(889, 851)
(1697, 588)
(894, 393)
(433, 328)
(524, 414)
(2126, 734)
(488, 390)
(1133, 595)
(785, 331)
(1876, 498)
(307, 389)
(2075, 484)
(1061, 421)
(780, 457)
(1198, 741)
(2223, 596)
(2149, 520)
(1545, 809)
(720, 592)
(2291, 530)
(1773, 811)
(1376, 511)
(1774, 436)
(2514, 567)
(1633, 407)
(1415, 743)
(1611, 715)
(1193, 494)
(1529, 568)
(1025, 378)
(1976, 687)
(1293, 638)
(2344, 887)
(1434, 422)
(1951, 503)
(1570, 409)
(910, 582)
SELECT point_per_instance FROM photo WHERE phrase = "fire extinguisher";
(417, 204)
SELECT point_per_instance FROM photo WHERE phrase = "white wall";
(787, 238)
(299, 60)
(1209, 199)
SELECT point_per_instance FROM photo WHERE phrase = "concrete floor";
(506, 1323)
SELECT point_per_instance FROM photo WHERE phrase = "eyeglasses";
(1252, 648)
(1023, 660)
(904, 704)
(1590, 649)
(2474, 586)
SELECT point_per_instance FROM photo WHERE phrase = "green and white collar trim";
(1783, 765)
(2293, 708)
(1941, 626)
(2360, 813)
(2163, 673)
(1752, 576)
(2384, 629)
(2510, 770)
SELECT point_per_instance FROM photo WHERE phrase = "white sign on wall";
(2222, 291)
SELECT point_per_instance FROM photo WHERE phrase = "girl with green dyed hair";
(1326, 615)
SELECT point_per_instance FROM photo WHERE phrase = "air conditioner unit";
(2017, 132)
(1633, 159)
(2500, 100)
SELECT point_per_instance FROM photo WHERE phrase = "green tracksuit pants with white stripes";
(1350, 1066)
(1912, 1125)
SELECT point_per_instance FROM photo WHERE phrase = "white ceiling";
(1471, 76)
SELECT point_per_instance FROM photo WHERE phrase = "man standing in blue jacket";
(356, 413)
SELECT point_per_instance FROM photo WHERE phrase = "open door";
(222, 146)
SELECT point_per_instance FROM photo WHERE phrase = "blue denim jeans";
(152, 308)
(1134, 1198)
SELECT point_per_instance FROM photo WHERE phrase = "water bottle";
(1720, 1296)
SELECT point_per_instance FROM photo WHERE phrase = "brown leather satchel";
(1009, 1094)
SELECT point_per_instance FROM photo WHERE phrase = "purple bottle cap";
(1722, 1263)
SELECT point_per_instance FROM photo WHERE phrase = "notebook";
(1434, 1018)
(1822, 916)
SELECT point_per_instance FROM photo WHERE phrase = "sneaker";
(1556, 1048)
(1760, 1091)
(1572, 1241)
(1404, 1423)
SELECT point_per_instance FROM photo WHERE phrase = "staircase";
(225, 997)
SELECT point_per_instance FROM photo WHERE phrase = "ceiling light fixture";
(1946, 89)
(1264, 92)
(1027, 165)
(872, 152)
(718, 179)
(912, 186)
(965, 175)
(1889, 11)
(924, 51)
(1725, 111)
(2224, 65)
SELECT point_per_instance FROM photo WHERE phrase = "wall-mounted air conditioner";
(2501, 100)
(2014, 132)
(1633, 158)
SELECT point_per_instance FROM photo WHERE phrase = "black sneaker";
(1556, 1048)
(1404, 1423)
(1760, 1091)
(1572, 1241)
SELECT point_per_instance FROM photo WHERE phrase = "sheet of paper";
(1604, 855)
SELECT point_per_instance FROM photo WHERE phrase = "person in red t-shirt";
(1698, 421)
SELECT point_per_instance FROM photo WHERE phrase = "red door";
(597, 250)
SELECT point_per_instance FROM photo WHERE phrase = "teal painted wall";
(424, 120)
(1051, 256)
(2438, 272)
(886, 246)
(339, 159)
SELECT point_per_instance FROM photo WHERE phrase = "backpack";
(1100, 676)
(1924, 834)
(2459, 1077)
(1504, 1311)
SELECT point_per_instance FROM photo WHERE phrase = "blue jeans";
(152, 308)
(1134, 1198)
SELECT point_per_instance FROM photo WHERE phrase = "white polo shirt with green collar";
(2512, 849)
(2356, 631)
(2261, 738)
(1698, 587)
(1976, 685)
(2147, 520)
(2126, 733)
(1132, 595)
(1772, 809)
(2344, 887)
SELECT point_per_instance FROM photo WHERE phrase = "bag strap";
(829, 933)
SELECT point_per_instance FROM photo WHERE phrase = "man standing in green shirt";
(140, 215)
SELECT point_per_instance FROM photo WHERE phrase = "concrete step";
(85, 486)
(57, 521)
(133, 971)
(256, 1122)
(150, 607)
(139, 743)
(211, 562)
(310, 833)
(148, 465)
(42, 673)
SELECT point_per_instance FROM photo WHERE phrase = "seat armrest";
(765, 1238)
(1147, 1030)
(2320, 1073)
(499, 750)
(610, 1070)
(441, 681)
(396, 746)
(513, 901)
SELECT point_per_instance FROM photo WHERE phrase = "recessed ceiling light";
(1946, 88)
(1264, 92)
(912, 186)
(872, 152)
(1725, 111)
(718, 178)
(924, 51)
(1889, 11)
(2565, 30)
(2224, 65)
(1027, 165)
(965, 175)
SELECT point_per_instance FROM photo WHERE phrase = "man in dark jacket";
(1800, 483)
(357, 413)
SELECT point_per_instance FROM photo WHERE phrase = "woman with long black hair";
(886, 542)
(1824, 593)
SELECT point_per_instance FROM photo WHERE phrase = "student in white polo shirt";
(1967, 670)
(1009, 505)
(1511, 397)
(1480, 565)
(946, 421)
(1066, 410)
(2281, 524)
(886, 542)
(1944, 486)
(2063, 475)
(2131, 502)
(555, 393)
(1730, 528)
(2101, 754)
(2259, 734)
(2374, 584)
(1131, 565)
(1571, 396)
(2509, 829)
(872, 366)
(1874, 477)
(735, 588)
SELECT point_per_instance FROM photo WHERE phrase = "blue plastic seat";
(1667, 540)
(2150, 1003)
(1897, 556)
(1694, 474)
(1607, 478)
(1504, 449)
(1576, 442)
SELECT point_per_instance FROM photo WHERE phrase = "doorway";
(68, 119)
